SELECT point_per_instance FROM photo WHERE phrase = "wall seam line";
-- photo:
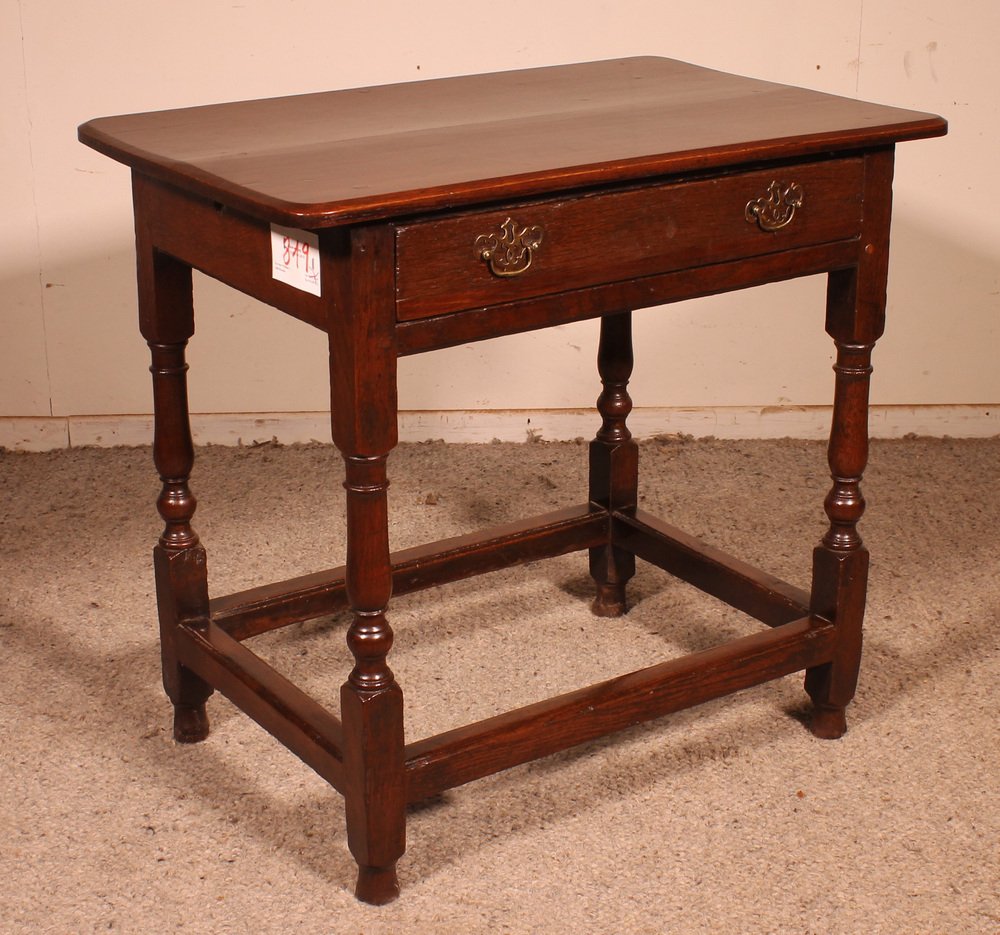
(34, 204)
(861, 28)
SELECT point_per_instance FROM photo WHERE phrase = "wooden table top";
(319, 160)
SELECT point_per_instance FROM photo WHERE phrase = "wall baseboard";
(46, 434)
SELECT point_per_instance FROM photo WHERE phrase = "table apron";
(520, 251)
(236, 250)
(427, 334)
(219, 242)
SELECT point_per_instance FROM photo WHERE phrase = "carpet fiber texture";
(728, 818)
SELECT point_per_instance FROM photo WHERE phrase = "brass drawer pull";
(776, 209)
(509, 252)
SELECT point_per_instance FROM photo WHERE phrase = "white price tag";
(295, 258)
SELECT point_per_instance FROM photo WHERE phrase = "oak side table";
(412, 217)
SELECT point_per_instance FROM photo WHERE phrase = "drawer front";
(502, 255)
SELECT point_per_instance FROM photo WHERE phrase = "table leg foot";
(610, 600)
(377, 885)
(828, 722)
(190, 723)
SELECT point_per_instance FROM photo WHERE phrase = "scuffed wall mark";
(931, 49)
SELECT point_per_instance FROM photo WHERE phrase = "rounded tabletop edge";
(405, 204)
(888, 126)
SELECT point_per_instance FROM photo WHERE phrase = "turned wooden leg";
(855, 320)
(614, 461)
(371, 701)
(359, 266)
(840, 562)
(166, 320)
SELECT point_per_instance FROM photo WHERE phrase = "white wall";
(71, 350)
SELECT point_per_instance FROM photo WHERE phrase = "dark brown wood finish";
(466, 753)
(302, 725)
(622, 235)
(855, 319)
(322, 160)
(220, 242)
(166, 320)
(757, 593)
(614, 463)
(268, 607)
(415, 337)
(458, 210)
(361, 327)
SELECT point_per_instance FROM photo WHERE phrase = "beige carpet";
(730, 818)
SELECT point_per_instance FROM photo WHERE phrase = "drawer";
(517, 252)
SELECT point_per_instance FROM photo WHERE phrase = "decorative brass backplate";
(509, 252)
(776, 209)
